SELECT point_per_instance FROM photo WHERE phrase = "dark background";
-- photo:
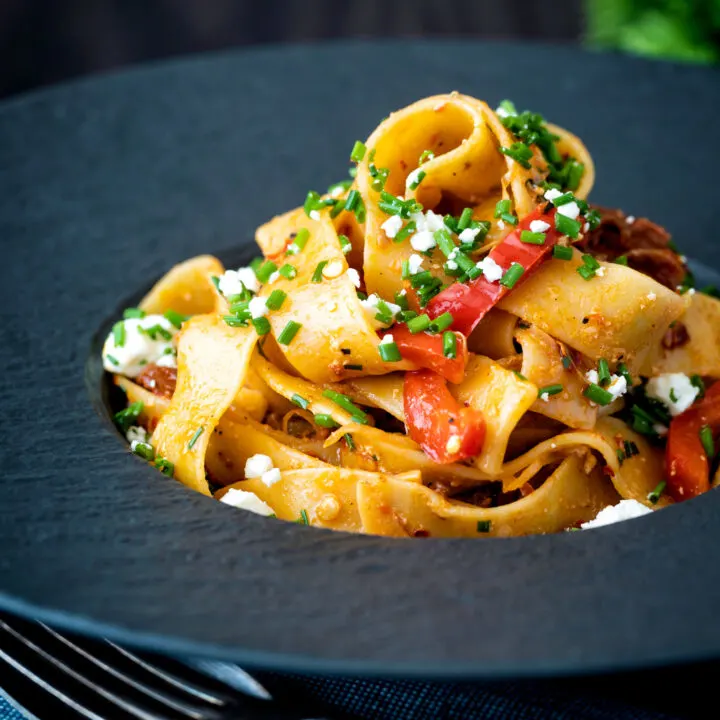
(46, 41)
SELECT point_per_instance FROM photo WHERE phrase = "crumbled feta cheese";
(544, 396)
(683, 259)
(391, 227)
(403, 292)
(244, 500)
(624, 510)
(592, 377)
(501, 112)
(415, 263)
(138, 348)
(370, 306)
(630, 219)
(451, 265)
(453, 444)
(679, 385)
(691, 292)
(168, 360)
(539, 226)
(273, 277)
(651, 296)
(600, 272)
(337, 191)
(136, 434)
(453, 254)
(387, 339)
(570, 210)
(617, 386)
(232, 281)
(427, 222)
(468, 235)
(412, 178)
(661, 430)
(354, 276)
(314, 215)
(271, 477)
(586, 227)
(256, 465)
(333, 269)
(501, 224)
(423, 241)
(552, 194)
(492, 271)
(258, 307)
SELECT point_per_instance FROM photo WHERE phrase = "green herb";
(389, 352)
(483, 526)
(501, 207)
(216, 282)
(620, 456)
(622, 260)
(118, 332)
(314, 203)
(562, 252)
(113, 359)
(130, 313)
(255, 263)
(264, 272)
(300, 401)
(288, 332)
(326, 421)
(444, 242)
(441, 323)
(175, 318)
(566, 362)
(449, 344)
(335, 188)
(195, 437)
(358, 151)
(419, 177)
(128, 416)
(349, 441)
(144, 450)
(550, 390)
(346, 403)
(631, 449)
(622, 368)
(567, 226)
(697, 381)
(519, 375)
(512, 275)
(603, 372)
(598, 395)
(345, 244)
(317, 276)
(303, 519)
(351, 366)
(654, 496)
(418, 324)
(352, 200)
(401, 300)
(234, 321)
(406, 232)
(465, 219)
(519, 152)
(532, 238)
(261, 325)
(275, 299)
(425, 156)
(164, 466)
(299, 241)
(593, 219)
(706, 438)
(288, 271)
(673, 395)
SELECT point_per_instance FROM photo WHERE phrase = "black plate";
(104, 184)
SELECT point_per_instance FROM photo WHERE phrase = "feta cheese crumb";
(676, 384)
(592, 377)
(651, 296)
(415, 263)
(273, 277)
(136, 434)
(552, 194)
(624, 510)
(544, 396)
(168, 360)
(337, 191)
(539, 226)
(292, 249)
(586, 227)
(423, 241)
(233, 282)
(370, 306)
(501, 224)
(333, 269)
(570, 210)
(354, 276)
(244, 500)
(600, 272)
(617, 386)
(257, 465)
(258, 307)
(391, 227)
(630, 219)
(492, 271)
(661, 430)
(387, 339)
(271, 477)
(468, 235)
(451, 265)
(412, 178)
(314, 215)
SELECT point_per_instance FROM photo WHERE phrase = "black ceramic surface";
(106, 183)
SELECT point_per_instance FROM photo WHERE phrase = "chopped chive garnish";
(519, 375)
(128, 416)
(622, 260)
(566, 362)
(673, 395)
(603, 372)
(255, 263)
(129, 313)
(275, 299)
(575, 172)
(418, 324)
(164, 466)
(425, 156)
(620, 456)
(631, 449)
(483, 526)
(422, 278)
(449, 344)
(298, 242)
(550, 390)
(118, 332)
(598, 395)
(561, 252)
(706, 438)
(419, 177)
(519, 152)
(567, 226)
(288, 271)
(593, 219)
(264, 272)
(406, 232)
(352, 200)
(444, 242)
(405, 269)
(350, 366)
(512, 275)
(175, 318)
(345, 244)
(360, 210)
(532, 238)
(113, 359)
(451, 223)
(288, 332)
(195, 437)
(654, 496)
(317, 276)
(349, 441)
(501, 207)
(261, 325)
(389, 352)
(303, 519)
(234, 321)
(346, 403)
(300, 401)
(337, 208)
(358, 151)
(564, 199)
(697, 382)
(585, 272)
(441, 323)
(216, 282)
(465, 219)
(326, 421)
(313, 202)
(622, 368)
(339, 187)
(405, 315)
(144, 450)
(401, 300)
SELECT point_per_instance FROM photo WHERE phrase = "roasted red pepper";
(446, 431)
(686, 463)
(426, 351)
(469, 302)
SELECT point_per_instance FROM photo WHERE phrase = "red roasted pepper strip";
(469, 302)
(426, 351)
(686, 463)
(446, 431)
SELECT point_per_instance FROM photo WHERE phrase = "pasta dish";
(452, 342)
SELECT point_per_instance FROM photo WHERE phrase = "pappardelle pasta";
(450, 343)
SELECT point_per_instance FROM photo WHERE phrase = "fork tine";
(180, 707)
